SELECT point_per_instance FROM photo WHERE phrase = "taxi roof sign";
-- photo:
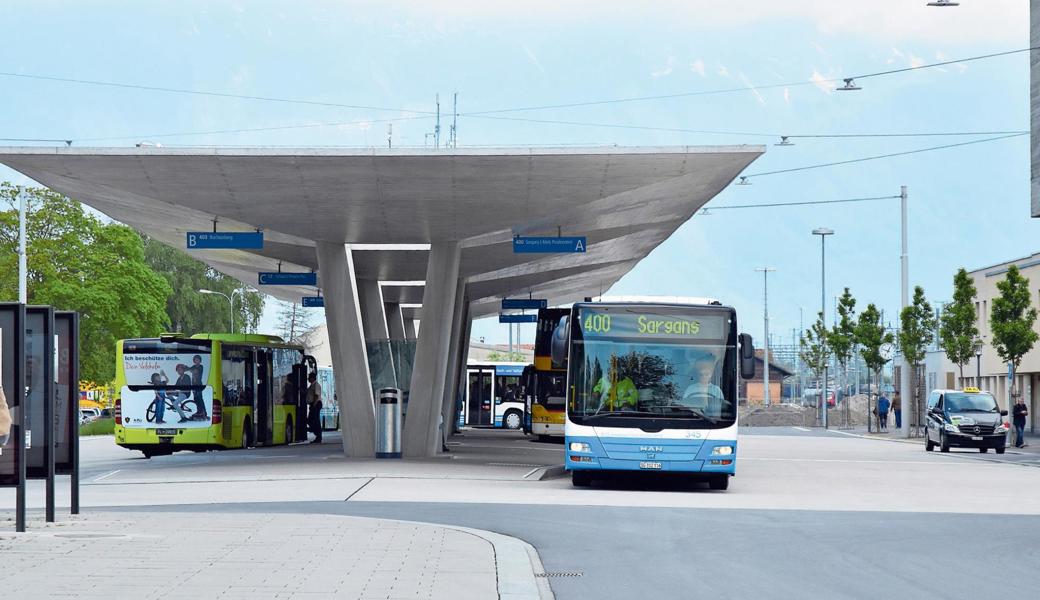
(972, 390)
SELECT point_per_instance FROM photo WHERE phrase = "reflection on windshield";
(971, 402)
(634, 379)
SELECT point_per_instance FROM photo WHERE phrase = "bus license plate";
(165, 432)
(649, 465)
(977, 439)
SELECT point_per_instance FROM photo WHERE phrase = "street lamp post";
(231, 302)
(978, 363)
(823, 232)
(765, 315)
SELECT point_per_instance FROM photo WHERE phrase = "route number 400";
(597, 323)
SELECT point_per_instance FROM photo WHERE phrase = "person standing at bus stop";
(882, 413)
(897, 410)
(314, 407)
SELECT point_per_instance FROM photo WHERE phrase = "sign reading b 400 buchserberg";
(166, 389)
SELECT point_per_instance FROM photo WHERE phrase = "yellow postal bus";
(209, 391)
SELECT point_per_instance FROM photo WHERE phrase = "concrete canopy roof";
(626, 200)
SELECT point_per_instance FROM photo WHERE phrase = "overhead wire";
(708, 209)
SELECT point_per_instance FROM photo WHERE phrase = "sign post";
(545, 244)
(314, 302)
(225, 240)
(66, 401)
(39, 399)
(279, 278)
(524, 303)
(517, 318)
(12, 380)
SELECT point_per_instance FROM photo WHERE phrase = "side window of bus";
(283, 360)
(233, 375)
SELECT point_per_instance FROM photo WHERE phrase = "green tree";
(496, 356)
(1012, 319)
(76, 262)
(957, 330)
(191, 312)
(871, 338)
(917, 332)
(815, 352)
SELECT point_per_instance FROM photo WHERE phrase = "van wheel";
(719, 482)
(944, 444)
(983, 450)
(581, 479)
(1000, 450)
(928, 444)
(247, 434)
(289, 431)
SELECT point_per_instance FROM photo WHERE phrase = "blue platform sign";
(524, 303)
(288, 279)
(314, 301)
(565, 245)
(210, 240)
(517, 318)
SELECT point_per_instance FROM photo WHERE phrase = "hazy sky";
(969, 206)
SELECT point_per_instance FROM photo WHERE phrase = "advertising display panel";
(66, 391)
(39, 390)
(167, 388)
(12, 373)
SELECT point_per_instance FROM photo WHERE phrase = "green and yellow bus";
(209, 391)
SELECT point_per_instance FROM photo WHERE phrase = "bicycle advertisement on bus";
(166, 388)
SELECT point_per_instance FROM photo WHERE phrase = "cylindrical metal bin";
(388, 424)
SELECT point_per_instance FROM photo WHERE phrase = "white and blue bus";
(653, 387)
(493, 395)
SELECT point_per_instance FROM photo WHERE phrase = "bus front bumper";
(642, 454)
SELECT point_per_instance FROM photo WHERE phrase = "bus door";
(480, 395)
(264, 411)
(300, 383)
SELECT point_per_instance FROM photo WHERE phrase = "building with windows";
(994, 371)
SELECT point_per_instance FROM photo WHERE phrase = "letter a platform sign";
(288, 279)
(563, 245)
(224, 240)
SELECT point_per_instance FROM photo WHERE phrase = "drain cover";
(89, 536)
(559, 574)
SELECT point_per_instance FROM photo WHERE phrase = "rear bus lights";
(587, 459)
(217, 415)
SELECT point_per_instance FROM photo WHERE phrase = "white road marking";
(106, 475)
(532, 472)
(842, 460)
(800, 428)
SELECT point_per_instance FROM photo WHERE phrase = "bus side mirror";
(559, 342)
(747, 356)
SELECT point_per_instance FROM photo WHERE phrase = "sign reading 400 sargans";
(661, 325)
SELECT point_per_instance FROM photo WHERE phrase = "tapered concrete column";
(372, 316)
(347, 345)
(451, 380)
(431, 354)
(455, 389)
(409, 329)
(395, 321)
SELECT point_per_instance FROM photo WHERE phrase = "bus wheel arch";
(581, 478)
(247, 433)
(719, 482)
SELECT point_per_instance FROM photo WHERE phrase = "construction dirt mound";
(854, 413)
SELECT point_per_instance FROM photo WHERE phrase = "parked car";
(86, 415)
(967, 418)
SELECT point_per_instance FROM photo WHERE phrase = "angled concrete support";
(372, 316)
(421, 437)
(451, 380)
(395, 321)
(455, 390)
(347, 345)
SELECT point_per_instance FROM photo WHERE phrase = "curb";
(517, 564)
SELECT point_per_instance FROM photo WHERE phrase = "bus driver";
(703, 394)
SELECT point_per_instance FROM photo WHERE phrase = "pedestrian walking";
(314, 407)
(1018, 419)
(897, 410)
(882, 412)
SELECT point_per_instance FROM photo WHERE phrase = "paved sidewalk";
(231, 556)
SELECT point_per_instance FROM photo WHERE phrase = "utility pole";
(909, 399)
(454, 126)
(823, 232)
(390, 135)
(23, 289)
(765, 316)
(437, 127)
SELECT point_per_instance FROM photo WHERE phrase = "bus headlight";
(722, 450)
(580, 447)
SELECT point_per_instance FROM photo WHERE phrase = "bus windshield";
(673, 365)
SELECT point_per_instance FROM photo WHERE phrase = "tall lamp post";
(823, 232)
(230, 299)
(978, 363)
(765, 315)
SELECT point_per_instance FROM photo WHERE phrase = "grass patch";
(98, 427)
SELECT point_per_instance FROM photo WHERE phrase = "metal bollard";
(388, 439)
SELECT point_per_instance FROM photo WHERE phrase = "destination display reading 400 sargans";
(627, 324)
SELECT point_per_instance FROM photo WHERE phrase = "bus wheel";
(543, 438)
(512, 420)
(581, 479)
(247, 434)
(719, 482)
(147, 453)
(289, 431)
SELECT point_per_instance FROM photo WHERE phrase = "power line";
(171, 90)
(880, 156)
(708, 209)
(20, 140)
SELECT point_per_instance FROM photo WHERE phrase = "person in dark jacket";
(882, 412)
(314, 407)
(897, 409)
(1018, 419)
